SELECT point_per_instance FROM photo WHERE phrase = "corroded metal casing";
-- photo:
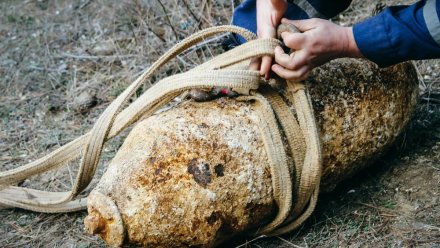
(198, 174)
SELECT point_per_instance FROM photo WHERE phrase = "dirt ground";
(63, 62)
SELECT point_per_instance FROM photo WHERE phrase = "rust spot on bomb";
(152, 160)
(219, 170)
(201, 173)
(195, 225)
(213, 217)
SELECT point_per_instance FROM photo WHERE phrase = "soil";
(62, 62)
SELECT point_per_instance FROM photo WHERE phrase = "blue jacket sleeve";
(401, 33)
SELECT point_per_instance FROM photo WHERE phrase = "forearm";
(401, 33)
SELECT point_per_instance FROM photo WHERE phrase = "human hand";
(319, 42)
(269, 14)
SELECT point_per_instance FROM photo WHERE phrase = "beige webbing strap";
(307, 165)
(290, 126)
(302, 136)
(311, 170)
(308, 175)
(279, 166)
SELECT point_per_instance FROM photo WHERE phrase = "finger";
(266, 63)
(293, 41)
(296, 75)
(282, 58)
(302, 25)
(293, 61)
(254, 65)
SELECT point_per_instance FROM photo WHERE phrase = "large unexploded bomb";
(198, 174)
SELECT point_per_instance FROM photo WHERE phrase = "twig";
(250, 241)
(387, 215)
(430, 100)
(168, 19)
(430, 227)
(305, 241)
(84, 4)
(390, 211)
(375, 207)
(208, 5)
(290, 243)
(140, 14)
(157, 35)
(182, 61)
(198, 20)
(75, 56)
(32, 67)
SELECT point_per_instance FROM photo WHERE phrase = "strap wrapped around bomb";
(200, 173)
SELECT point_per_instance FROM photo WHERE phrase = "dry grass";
(63, 62)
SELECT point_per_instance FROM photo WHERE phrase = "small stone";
(103, 48)
(84, 102)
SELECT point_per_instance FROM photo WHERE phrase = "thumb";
(302, 25)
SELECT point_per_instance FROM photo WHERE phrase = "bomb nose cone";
(94, 223)
(104, 219)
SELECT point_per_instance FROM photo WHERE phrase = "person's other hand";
(319, 42)
(269, 14)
